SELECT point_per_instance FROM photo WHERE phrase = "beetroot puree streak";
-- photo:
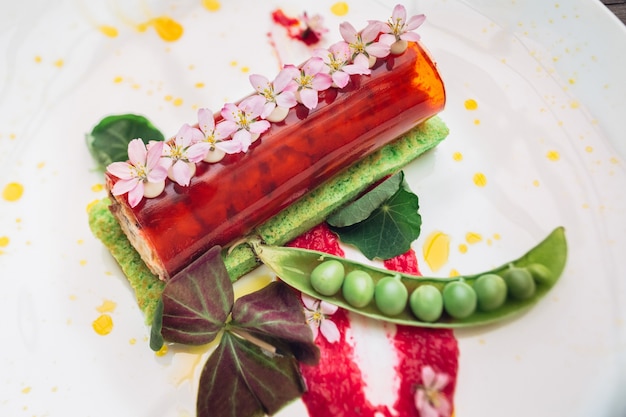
(227, 200)
(336, 387)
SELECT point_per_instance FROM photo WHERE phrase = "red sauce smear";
(336, 386)
(295, 31)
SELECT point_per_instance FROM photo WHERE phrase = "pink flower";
(337, 61)
(429, 399)
(316, 313)
(311, 80)
(183, 153)
(216, 136)
(401, 28)
(363, 43)
(243, 120)
(279, 92)
(144, 167)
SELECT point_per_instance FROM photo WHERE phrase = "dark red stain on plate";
(336, 386)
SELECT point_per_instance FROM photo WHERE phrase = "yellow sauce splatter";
(109, 31)
(211, 5)
(199, 85)
(97, 188)
(132, 341)
(168, 98)
(26, 390)
(162, 351)
(496, 236)
(58, 63)
(589, 149)
(476, 122)
(73, 297)
(4, 241)
(454, 273)
(107, 306)
(472, 238)
(83, 262)
(536, 183)
(13, 191)
(457, 156)
(436, 250)
(167, 28)
(118, 79)
(574, 104)
(480, 179)
(470, 104)
(90, 205)
(463, 248)
(178, 102)
(245, 69)
(41, 165)
(553, 155)
(38, 59)
(103, 324)
(340, 8)
(614, 160)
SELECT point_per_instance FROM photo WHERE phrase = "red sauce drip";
(336, 386)
(294, 29)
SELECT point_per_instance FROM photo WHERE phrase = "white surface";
(547, 76)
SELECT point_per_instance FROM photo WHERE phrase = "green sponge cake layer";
(307, 212)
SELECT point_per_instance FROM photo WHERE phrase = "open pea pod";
(294, 267)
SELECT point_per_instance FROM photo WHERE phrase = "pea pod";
(294, 267)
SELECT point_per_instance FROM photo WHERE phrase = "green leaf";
(275, 315)
(156, 338)
(241, 379)
(389, 230)
(361, 208)
(197, 301)
(108, 141)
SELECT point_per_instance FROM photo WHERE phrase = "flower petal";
(224, 129)
(378, 49)
(340, 79)
(229, 146)
(136, 194)
(327, 309)
(137, 152)
(259, 126)
(410, 37)
(321, 82)
(282, 80)
(415, 21)
(206, 121)
(157, 174)
(309, 302)
(259, 82)
(399, 13)
(124, 186)
(428, 376)
(286, 99)
(184, 135)
(314, 328)
(348, 32)
(370, 32)
(154, 155)
(197, 151)
(309, 98)
(229, 112)
(181, 173)
(244, 138)
(268, 108)
(330, 331)
(122, 170)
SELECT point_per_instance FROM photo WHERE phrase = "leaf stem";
(253, 339)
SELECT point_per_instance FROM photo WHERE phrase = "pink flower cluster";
(241, 124)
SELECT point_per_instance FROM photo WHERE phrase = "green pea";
(540, 273)
(519, 282)
(490, 291)
(327, 277)
(358, 288)
(426, 303)
(459, 299)
(391, 296)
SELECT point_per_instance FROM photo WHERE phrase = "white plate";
(547, 135)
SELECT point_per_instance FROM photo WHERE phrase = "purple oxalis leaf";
(197, 301)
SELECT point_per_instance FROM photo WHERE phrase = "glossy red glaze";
(227, 200)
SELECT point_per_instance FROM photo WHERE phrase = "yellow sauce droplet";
(83, 262)
(162, 351)
(58, 63)
(41, 165)
(168, 98)
(109, 31)
(199, 85)
(178, 102)
(13, 191)
(574, 104)
(211, 5)
(107, 306)
(97, 188)
(480, 179)
(118, 79)
(463, 248)
(589, 149)
(614, 160)
(553, 155)
(477, 122)
(496, 236)
(4, 241)
(471, 104)
(103, 324)
(454, 273)
(340, 8)
(132, 341)
(436, 250)
(38, 59)
(167, 28)
(472, 238)
(536, 183)
(90, 205)
(457, 156)
(26, 390)
(245, 69)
